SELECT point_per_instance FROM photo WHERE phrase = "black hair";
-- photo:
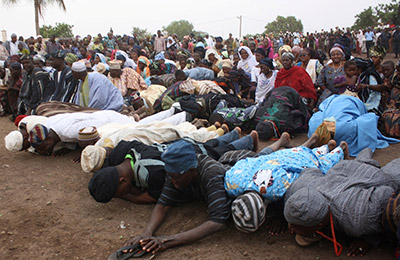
(388, 63)
(349, 63)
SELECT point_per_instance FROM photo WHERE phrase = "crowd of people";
(163, 120)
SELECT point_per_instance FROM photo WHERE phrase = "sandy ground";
(46, 212)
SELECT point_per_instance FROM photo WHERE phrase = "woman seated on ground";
(143, 67)
(99, 58)
(310, 63)
(226, 66)
(329, 72)
(297, 78)
(247, 60)
(282, 50)
(213, 57)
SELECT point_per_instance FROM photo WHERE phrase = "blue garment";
(353, 123)
(271, 175)
(199, 73)
(102, 93)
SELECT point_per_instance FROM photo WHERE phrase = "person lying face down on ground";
(357, 196)
(135, 171)
(264, 179)
(64, 128)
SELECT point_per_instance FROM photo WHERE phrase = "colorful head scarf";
(70, 58)
(284, 48)
(377, 52)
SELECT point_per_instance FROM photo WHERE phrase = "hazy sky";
(218, 18)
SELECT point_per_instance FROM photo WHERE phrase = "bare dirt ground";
(46, 212)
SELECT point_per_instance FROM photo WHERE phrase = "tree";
(388, 13)
(60, 30)
(365, 19)
(283, 25)
(40, 7)
(141, 33)
(181, 28)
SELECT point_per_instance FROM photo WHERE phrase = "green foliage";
(366, 18)
(283, 25)
(59, 30)
(383, 13)
(181, 28)
(141, 33)
(388, 13)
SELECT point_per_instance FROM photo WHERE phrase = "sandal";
(136, 253)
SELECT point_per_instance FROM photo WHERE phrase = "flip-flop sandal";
(119, 255)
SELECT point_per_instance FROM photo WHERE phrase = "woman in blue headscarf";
(100, 58)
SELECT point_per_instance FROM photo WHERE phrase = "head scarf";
(268, 62)
(337, 48)
(38, 134)
(284, 48)
(225, 54)
(377, 52)
(248, 212)
(212, 51)
(289, 55)
(14, 141)
(227, 64)
(247, 64)
(104, 184)
(218, 39)
(92, 158)
(170, 44)
(159, 56)
(179, 157)
(70, 58)
(39, 57)
(261, 51)
(128, 61)
(306, 207)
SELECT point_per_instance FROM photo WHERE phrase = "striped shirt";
(209, 188)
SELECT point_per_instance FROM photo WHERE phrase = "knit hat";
(92, 158)
(38, 134)
(14, 141)
(104, 184)
(88, 133)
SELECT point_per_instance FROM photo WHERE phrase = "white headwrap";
(92, 158)
(170, 44)
(14, 141)
(78, 66)
(247, 64)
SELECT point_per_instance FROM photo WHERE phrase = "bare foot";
(285, 139)
(136, 117)
(345, 148)
(331, 145)
(225, 127)
(237, 129)
(254, 135)
(312, 142)
(217, 124)
(277, 226)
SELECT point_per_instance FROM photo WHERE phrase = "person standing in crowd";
(209, 41)
(12, 46)
(62, 85)
(369, 39)
(396, 41)
(159, 42)
(40, 47)
(52, 45)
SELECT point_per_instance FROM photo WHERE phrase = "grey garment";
(231, 157)
(356, 190)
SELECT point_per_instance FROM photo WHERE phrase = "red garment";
(297, 78)
(18, 119)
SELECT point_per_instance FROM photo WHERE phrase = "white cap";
(92, 158)
(78, 66)
(14, 141)
(39, 36)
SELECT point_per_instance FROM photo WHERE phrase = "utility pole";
(240, 26)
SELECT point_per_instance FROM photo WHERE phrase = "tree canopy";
(59, 30)
(141, 33)
(383, 13)
(283, 25)
(181, 28)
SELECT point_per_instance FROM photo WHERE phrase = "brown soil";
(46, 212)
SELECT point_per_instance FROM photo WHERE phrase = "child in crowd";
(348, 84)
